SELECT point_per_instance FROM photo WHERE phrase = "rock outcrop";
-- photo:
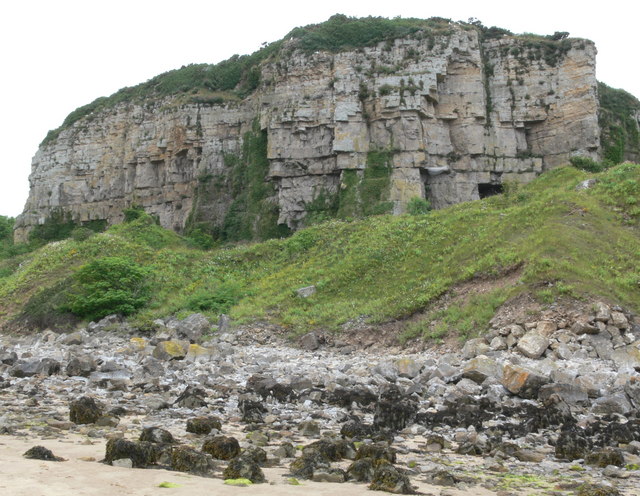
(449, 116)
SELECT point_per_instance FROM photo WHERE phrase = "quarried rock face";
(450, 118)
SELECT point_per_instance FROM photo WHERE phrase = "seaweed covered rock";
(42, 453)
(156, 435)
(441, 477)
(331, 474)
(606, 456)
(203, 425)
(141, 453)
(394, 411)
(185, 459)
(222, 447)
(388, 478)
(257, 454)
(572, 444)
(332, 450)
(355, 429)
(376, 451)
(361, 470)
(589, 489)
(84, 411)
(251, 410)
(244, 466)
(308, 463)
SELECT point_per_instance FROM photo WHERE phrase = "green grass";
(564, 243)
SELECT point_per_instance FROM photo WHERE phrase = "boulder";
(141, 454)
(310, 342)
(203, 425)
(193, 328)
(80, 366)
(611, 404)
(244, 467)
(84, 411)
(222, 447)
(186, 459)
(388, 478)
(42, 453)
(604, 457)
(546, 328)
(480, 368)
(361, 470)
(408, 367)
(523, 381)
(171, 350)
(156, 435)
(192, 397)
(572, 394)
(474, 347)
(572, 444)
(532, 344)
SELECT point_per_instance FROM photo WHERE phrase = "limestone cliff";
(449, 115)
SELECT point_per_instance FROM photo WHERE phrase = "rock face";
(449, 117)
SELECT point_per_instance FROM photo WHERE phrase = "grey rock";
(306, 292)
(532, 345)
(480, 368)
(475, 347)
(193, 328)
(522, 381)
(571, 394)
(81, 366)
(615, 403)
(309, 341)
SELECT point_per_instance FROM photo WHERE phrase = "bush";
(109, 285)
(132, 213)
(418, 206)
(81, 233)
(219, 300)
(588, 164)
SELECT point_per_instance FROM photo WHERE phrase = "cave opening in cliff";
(489, 189)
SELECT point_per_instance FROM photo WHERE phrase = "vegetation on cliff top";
(558, 240)
(240, 75)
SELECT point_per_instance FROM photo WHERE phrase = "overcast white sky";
(58, 55)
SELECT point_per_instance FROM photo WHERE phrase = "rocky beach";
(542, 406)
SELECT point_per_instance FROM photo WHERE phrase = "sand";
(82, 474)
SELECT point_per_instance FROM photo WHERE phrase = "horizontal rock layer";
(449, 119)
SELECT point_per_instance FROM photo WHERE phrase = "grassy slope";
(383, 267)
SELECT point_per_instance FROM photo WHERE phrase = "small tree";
(109, 285)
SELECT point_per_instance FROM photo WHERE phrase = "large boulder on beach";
(84, 410)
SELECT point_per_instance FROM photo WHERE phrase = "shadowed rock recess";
(449, 112)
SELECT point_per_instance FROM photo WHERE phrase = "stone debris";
(376, 417)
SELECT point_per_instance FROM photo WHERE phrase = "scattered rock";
(42, 453)
(222, 447)
(84, 411)
(203, 425)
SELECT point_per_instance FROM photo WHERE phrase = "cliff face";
(449, 118)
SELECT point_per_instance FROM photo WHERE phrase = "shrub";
(588, 164)
(418, 206)
(81, 233)
(109, 285)
(219, 300)
(132, 213)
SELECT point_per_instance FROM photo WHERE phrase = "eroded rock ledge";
(450, 118)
